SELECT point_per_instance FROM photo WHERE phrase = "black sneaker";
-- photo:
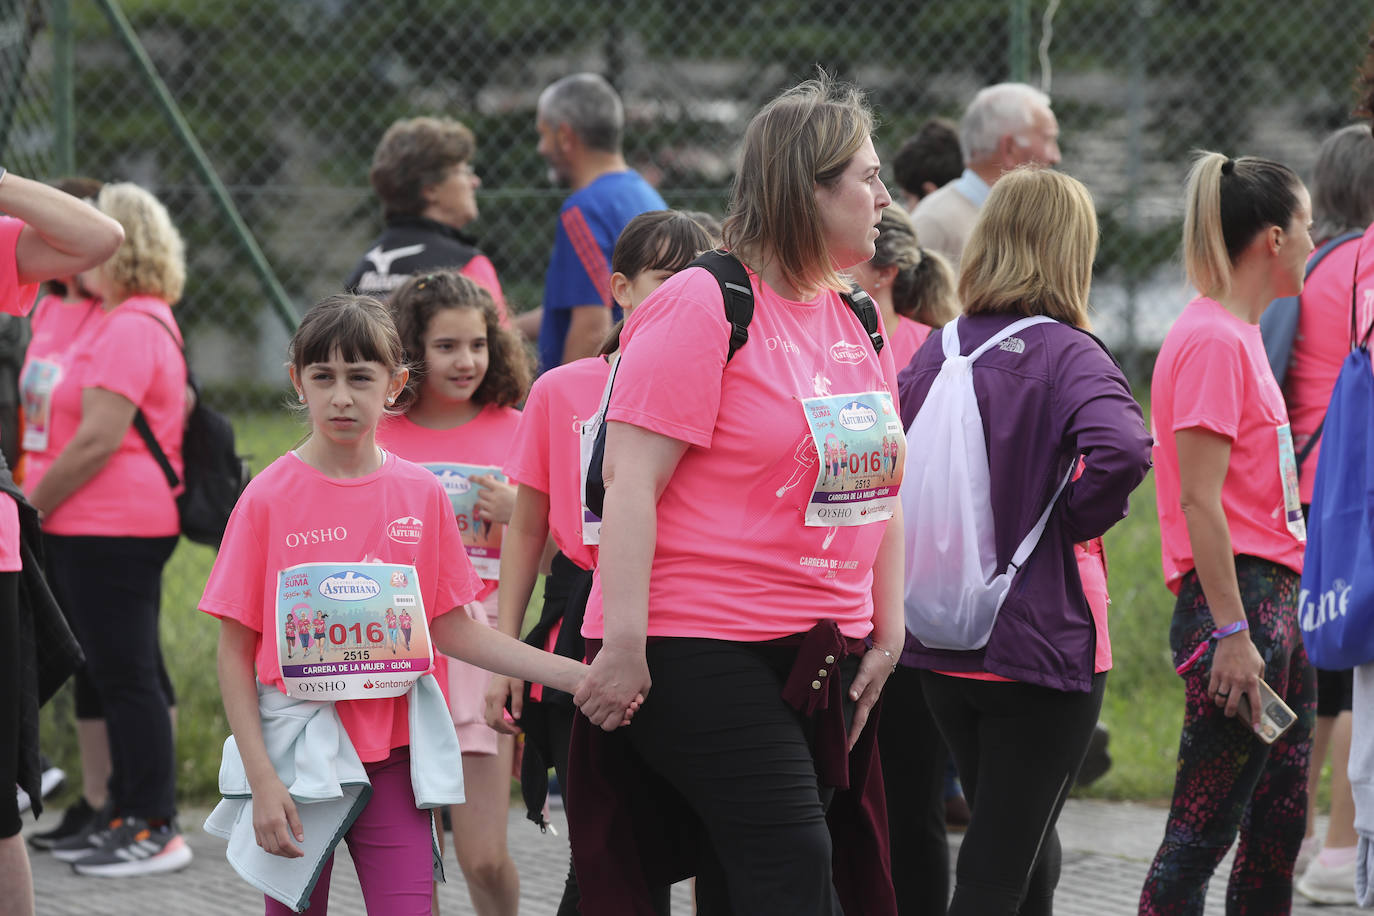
(89, 839)
(137, 848)
(76, 818)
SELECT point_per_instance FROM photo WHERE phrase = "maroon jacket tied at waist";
(634, 832)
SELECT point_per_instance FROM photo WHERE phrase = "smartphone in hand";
(1275, 716)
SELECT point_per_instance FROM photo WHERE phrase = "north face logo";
(1013, 345)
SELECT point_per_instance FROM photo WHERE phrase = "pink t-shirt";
(547, 450)
(1212, 373)
(906, 340)
(1320, 346)
(733, 558)
(483, 440)
(481, 271)
(133, 356)
(16, 299)
(292, 514)
(56, 327)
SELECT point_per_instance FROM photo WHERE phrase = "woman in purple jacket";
(1017, 713)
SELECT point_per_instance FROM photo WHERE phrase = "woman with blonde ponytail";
(1232, 532)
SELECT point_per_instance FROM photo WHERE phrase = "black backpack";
(215, 473)
(738, 296)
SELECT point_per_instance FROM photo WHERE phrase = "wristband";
(3, 172)
(1230, 629)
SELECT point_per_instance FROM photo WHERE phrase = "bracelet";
(1231, 629)
(3, 172)
(890, 657)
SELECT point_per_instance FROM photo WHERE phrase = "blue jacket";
(1047, 396)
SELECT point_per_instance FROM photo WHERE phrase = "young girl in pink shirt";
(339, 499)
(545, 463)
(468, 373)
(1232, 530)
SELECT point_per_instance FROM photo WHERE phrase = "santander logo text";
(405, 530)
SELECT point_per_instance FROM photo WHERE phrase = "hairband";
(1228, 167)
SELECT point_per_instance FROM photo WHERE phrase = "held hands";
(614, 688)
(496, 501)
(1236, 671)
(275, 821)
(498, 691)
(874, 669)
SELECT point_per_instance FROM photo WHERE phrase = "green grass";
(1143, 705)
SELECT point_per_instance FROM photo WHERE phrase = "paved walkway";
(1107, 848)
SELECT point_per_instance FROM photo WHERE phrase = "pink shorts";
(467, 693)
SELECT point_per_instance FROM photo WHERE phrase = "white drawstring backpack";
(953, 589)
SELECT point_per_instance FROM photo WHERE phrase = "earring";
(390, 401)
(301, 398)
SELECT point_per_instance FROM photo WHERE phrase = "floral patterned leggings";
(1228, 779)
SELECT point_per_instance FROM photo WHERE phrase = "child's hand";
(275, 821)
(496, 501)
(498, 690)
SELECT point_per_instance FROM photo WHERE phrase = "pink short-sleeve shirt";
(1212, 374)
(15, 299)
(734, 559)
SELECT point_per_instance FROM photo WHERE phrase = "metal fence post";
(276, 294)
(1018, 41)
(63, 103)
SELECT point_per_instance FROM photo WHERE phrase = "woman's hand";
(499, 690)
(874, 669)
(496, 501)
(615, 686)
(275, 821)
(1236, 671)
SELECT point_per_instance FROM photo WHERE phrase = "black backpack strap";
(735, 290)
(861, 304)
(145, 431)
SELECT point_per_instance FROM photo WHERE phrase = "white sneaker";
(1328, 884)
(1311, 845)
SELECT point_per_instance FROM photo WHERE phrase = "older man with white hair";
(1005, 125)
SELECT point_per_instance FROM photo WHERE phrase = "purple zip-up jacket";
(1053, 396)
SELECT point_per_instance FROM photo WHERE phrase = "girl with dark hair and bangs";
(458, 419)
(383, 532)
(1232, 528)
(545, 463)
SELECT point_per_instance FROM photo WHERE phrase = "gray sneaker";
(137, 848)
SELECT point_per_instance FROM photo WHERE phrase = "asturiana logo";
(349, 586)
(1332, 603)
(455, 483)
(405, 530)
(845, 352)
(858, 416)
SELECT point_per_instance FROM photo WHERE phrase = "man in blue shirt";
(581, 121)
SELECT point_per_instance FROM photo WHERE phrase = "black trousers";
(1018, 748)
(111, 591)
(10, 751)
(716, 728)
(913, 757)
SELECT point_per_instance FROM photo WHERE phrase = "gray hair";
(590, 106)
(1343, 183)
(1006, 108)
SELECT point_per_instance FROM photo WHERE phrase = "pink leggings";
(390, 845)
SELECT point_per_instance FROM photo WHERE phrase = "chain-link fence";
(288, 100)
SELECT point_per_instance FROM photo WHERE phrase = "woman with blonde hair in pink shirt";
(1232, 532)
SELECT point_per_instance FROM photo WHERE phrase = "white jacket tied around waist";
(313, 756)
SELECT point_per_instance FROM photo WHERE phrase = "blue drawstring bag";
(1336, 605)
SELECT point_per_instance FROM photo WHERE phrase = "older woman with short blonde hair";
(1018, 710)
(111, 523)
